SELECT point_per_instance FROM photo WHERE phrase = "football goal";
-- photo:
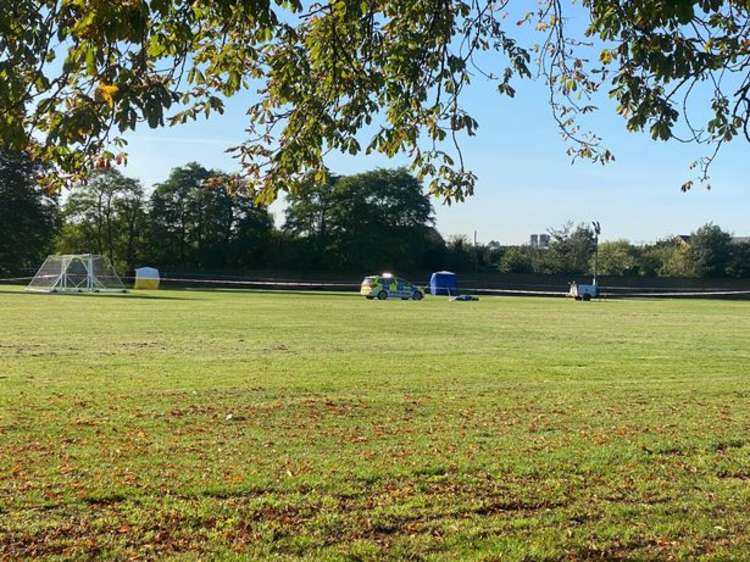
(76, 273)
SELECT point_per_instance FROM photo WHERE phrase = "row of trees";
(707, 252)
(197, 220)
(371, 220)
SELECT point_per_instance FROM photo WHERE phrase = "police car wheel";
(382, 295)
(417, 296)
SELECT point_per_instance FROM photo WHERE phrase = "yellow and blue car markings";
(388, 287)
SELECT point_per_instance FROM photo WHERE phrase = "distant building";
(539, 241)
(740, 239)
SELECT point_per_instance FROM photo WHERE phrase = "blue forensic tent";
(443, 283)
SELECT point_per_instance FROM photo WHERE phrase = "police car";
(386, 286)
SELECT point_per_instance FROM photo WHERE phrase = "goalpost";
(76, 273)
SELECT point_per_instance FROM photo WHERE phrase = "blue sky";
(526, 181)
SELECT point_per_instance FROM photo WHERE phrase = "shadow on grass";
(95, 295)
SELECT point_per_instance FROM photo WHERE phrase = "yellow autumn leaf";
(107, 93)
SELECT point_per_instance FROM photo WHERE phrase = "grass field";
(241, 425)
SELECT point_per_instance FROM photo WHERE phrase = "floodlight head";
(387, 275)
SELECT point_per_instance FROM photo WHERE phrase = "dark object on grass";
(463, 298)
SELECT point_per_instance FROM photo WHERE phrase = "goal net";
(76, 273)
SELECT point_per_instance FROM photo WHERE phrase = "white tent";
(76, 273)
(146, 278)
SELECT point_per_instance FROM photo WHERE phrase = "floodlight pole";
(476, 253)
(597, 231)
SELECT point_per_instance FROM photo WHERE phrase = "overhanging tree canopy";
(75, 73)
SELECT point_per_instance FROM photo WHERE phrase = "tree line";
(708, 252)
(197, 220)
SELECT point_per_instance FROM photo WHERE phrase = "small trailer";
(583, 292)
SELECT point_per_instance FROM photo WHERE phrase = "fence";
(480, 283)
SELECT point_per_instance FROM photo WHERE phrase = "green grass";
(241, 425)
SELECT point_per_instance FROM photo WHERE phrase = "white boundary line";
(623, 292)
(680, 294)
(259, 283)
